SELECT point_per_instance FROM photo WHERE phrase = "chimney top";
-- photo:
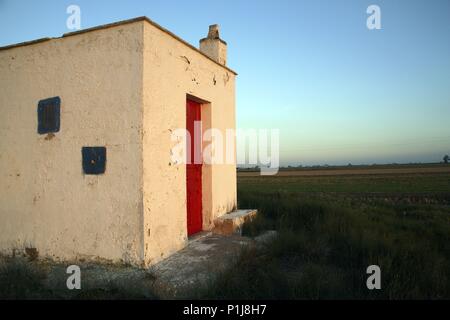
(213, 32)
(213, 46)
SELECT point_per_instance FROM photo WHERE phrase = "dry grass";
(328, 237)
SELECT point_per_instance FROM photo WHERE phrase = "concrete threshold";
(190, 269)
(206, 255)
(199, 236)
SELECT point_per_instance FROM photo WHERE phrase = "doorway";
(194, 165)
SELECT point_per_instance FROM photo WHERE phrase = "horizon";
(306, 166)
(339, 92)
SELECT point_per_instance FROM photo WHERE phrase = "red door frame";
(193, 169)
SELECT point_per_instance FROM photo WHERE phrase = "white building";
(86, 138)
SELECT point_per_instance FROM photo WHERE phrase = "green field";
(331, 228)
(393, 184)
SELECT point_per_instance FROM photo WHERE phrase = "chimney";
(213, 46)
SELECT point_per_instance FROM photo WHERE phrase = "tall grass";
(324, 247)
(23, 279)
(19, 279)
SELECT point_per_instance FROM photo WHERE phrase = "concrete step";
(194, 267)
(231, 223)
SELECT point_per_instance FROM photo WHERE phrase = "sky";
(338, 92)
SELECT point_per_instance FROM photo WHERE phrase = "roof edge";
(114, 24)
(25, 43)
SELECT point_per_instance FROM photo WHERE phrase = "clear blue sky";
(338, 92)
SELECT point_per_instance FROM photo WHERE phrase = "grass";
(400, 184)
(326, 240)
(329, 230)
(21, 278)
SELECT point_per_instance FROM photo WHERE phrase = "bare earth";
(356, 171)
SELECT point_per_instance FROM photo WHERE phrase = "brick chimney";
(213, 46)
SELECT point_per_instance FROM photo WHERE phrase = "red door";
(194, 168)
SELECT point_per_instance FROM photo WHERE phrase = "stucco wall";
(46, 202)
(123, 87)
(172, 71)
